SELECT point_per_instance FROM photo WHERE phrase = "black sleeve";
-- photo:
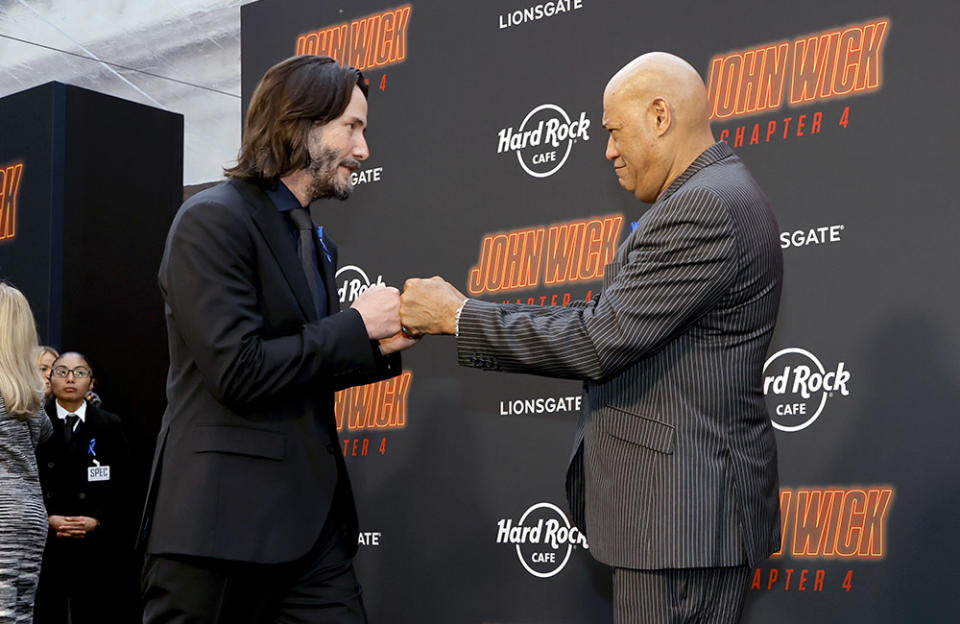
(208, 279)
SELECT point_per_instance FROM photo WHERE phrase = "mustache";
(350, 163)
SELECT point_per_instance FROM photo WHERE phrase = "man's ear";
(662, 115)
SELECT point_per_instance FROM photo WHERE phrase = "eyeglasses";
(79, 372)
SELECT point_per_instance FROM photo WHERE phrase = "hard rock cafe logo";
(543, 537)
(544, 139)
(797, 387)
(352, 281)
(10, 178)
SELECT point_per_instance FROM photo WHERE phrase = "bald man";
(673, 473)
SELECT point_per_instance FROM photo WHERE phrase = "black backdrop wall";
(843, 112)
(90, 185)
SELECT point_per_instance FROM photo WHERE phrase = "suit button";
(82, 495)
(49, 494)
(49, 464)
(331, 448)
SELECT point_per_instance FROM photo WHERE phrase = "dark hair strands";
(292, 96)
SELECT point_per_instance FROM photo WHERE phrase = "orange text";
(820, 66)
(835, 522)
(10, 178)
(563, 252)
(380, 405)
(367, 42)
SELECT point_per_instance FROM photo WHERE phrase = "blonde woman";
(48, 355)
(23, 423)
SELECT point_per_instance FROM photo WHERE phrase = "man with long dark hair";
(249, 515)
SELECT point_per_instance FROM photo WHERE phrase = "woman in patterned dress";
(23, 423)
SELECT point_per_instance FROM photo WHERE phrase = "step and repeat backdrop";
(487, 168)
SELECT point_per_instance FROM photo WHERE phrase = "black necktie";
(308, 258)
(68, 428)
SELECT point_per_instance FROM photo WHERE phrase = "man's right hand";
(379, 307)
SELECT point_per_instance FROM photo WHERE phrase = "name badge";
(98, 473)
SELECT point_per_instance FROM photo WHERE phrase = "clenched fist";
(429, 306)
(379, 307)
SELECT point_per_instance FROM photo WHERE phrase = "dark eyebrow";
(354, 119)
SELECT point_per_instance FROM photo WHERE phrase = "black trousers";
(320, 587)
(682, 596)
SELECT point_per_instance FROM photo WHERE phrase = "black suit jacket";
(248, 461)
(63, 472)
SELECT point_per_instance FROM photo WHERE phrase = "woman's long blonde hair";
(21, 385)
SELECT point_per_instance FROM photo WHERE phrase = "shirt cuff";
(459, 310)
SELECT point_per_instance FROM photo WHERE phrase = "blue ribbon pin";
(323, 243)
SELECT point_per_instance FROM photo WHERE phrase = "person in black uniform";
(84, 472)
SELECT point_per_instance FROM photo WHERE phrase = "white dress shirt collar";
(81, 412)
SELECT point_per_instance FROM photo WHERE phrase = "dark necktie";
(308, 258)
(68, 428)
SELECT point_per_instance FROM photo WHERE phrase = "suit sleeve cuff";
(473, 348)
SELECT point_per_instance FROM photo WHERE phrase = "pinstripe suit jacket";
(675, 461)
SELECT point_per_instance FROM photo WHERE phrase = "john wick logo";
(10, 177)
(575, 251)
(365, 414)
(797, 387)
(834, 522)
(352, 281)
(367, 42)
(543, 538)
(544, 139)
(378, 405)
(820, 66)
(827, 525)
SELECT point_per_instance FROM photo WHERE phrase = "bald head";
(659, 74)
(656, 110)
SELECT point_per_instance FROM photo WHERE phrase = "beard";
(325, 179)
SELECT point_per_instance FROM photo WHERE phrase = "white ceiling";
(181, 55)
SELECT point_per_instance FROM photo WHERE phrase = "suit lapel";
(271, 226)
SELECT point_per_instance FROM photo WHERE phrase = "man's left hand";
(429, 306)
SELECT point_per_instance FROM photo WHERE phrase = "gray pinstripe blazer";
(675, 462)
